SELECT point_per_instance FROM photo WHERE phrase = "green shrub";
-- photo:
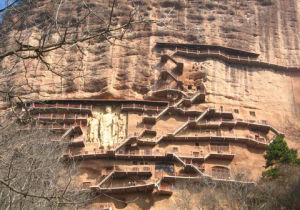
(278, 153)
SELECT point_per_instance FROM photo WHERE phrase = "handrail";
(239, 122)
(170, 89)
(60, 106)
(205, 48)
(176, 106)
(171, 75)
(250, 62)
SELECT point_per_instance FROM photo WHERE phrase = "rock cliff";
(244, 55)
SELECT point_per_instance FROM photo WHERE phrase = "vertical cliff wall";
(125, 69)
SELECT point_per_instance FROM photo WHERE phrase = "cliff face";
(269, 28)
(242, 82)
(125, 69)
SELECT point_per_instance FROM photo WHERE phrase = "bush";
(278, 153)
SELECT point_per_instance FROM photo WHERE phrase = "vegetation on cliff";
(278, 154)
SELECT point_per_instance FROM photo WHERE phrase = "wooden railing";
(61, 105)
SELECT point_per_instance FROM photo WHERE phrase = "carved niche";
(107, 127)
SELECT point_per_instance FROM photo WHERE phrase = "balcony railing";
(142, 107)
(61, 105)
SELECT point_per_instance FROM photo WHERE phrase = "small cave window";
(187, 161)
(189, 87)
(252, 113)
(197, 144)
(198, 88)
(175, 149)
(264, 122)
(195, 154)
(236, 111)
(220, 172)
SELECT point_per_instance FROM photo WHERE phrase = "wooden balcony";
(35, 108)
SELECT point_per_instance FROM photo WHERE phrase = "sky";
(2, 4)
